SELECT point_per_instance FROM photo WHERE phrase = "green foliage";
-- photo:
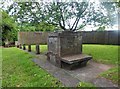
(119, 4)
(44, 27)
(29, 16)
(101, 28)
(111, 10)
(70, 14)
(65, 15)
(19, 71)
(9, 27)
(27, 27)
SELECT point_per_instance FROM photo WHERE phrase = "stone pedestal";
(62, 44)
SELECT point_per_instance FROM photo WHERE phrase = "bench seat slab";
(71, 59)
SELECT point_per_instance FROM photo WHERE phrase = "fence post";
(20, 46)
(29, 48)
(24, 48)
(37, 49)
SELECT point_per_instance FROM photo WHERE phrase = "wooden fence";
(101, 37)
(89, 37)
(32, 38)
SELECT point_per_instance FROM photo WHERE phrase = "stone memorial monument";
(65, 50)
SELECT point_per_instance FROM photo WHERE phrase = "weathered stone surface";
(63, 44)
(59, 73)
(70, 59)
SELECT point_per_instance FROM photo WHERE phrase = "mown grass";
(87, 85)
(43, 48)
(19, 71)
(107, 54)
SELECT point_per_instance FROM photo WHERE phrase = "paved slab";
(90, 72)
(59, 73)
(71, 78)
(102, 82)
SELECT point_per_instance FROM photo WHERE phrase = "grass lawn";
(43, 48)
(87, 85)
(107, 54)
(19, 71)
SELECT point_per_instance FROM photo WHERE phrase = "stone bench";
(65, 50)
(70, 61)
(74, 61)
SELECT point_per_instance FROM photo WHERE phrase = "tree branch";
(61, 18)
(74, 24)
(61, 25)
(78, 19)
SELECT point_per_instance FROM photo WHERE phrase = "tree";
(30, 13)
(66, 15)
(9, 28)
(111, 10)
(81, 13)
